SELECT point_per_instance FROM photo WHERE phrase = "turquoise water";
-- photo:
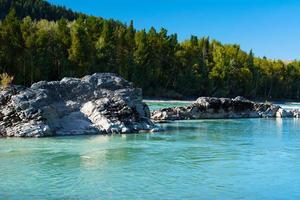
(201, 159)
(290, 106)
(155, 105)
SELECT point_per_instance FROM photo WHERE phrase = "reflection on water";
(279, 124)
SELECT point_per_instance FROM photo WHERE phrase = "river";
(198, 159)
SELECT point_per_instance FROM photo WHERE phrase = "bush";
(6, 80)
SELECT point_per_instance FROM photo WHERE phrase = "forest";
(40, 41)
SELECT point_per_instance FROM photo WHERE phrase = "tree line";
(34, 49)
(37, 9)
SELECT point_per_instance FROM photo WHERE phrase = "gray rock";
(220, 108)
(296, 113)
(95, 104)
(281, 113)
(267, 110)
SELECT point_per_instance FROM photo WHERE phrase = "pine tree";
(11, 45)
(80, 49)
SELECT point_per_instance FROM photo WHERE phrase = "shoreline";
(222, 108)
(167, 101)
(190, 100)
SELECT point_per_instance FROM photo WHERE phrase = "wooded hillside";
(52, 42)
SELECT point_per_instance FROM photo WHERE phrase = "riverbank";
(286, 104)
(104, 103)
(191, 99)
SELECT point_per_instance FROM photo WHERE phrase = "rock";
(296, 113)
(267, 110)
(281, 113)
(220, 108)
(98, 103)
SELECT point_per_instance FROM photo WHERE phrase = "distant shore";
(192, 99)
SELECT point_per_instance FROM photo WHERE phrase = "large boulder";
(221, 108)
(98, 103)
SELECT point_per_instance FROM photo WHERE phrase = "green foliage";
(37, 9)
(34, 49)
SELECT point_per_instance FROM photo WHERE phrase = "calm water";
(204, 159)
(155, 105)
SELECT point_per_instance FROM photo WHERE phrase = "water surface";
(199, 159)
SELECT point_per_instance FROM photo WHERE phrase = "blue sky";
(270, 27)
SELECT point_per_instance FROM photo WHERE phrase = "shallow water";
(200, 159)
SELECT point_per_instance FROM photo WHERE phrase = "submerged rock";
(222, 108)
(99, 103)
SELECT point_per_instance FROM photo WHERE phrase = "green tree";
(80, 49)
(11, 45)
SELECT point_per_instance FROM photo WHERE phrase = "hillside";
(45, 47)
(36, 9)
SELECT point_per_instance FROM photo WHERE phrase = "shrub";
(6, 79)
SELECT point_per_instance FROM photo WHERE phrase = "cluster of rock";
(99, 103)
(222, 108)
(106, 103)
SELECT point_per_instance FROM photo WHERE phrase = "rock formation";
(222, 108)
(99, 103)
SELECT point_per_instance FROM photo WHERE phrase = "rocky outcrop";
(99, 103)
(222, 108)
(296, 113)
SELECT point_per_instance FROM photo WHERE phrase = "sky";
(270, 27)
